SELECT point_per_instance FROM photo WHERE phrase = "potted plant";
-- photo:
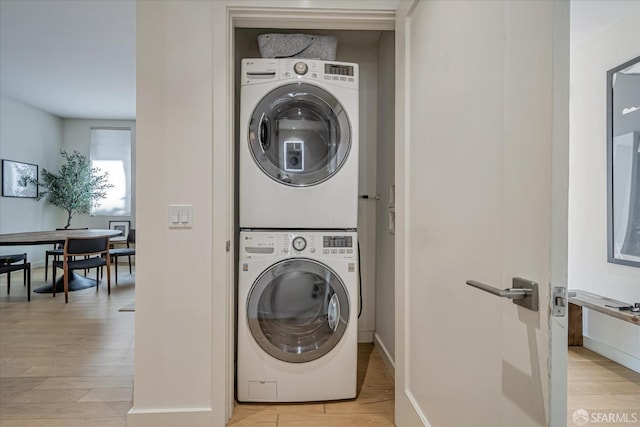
(76, 187)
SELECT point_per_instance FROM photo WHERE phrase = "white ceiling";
(76, 58)
(70, 58)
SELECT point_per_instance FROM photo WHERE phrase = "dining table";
(53, 237)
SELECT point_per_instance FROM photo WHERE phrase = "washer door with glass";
(298, 310)
(299, 134)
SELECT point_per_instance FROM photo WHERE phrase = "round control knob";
(300, 68)
(299, 243)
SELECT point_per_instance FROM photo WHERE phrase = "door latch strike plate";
(559, 301)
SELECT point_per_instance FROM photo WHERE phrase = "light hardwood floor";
(601, 386)
(63, 364)
(372, 408)
(71, 365)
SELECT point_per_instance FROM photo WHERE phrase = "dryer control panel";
(261, 70)
(338, 244)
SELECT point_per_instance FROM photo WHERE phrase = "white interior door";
(482, 195)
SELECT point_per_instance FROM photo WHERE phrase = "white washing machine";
(298, 144)
(297, 316)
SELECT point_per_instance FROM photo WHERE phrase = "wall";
(77, 136)
(385, 251)
(174, 373)
(588, 266)
(366, 56)
(29, 135)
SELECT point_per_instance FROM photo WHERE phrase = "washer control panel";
(338, 244)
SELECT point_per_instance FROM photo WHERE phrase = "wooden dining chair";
(8, 265)
(93, 253)
(128, 251)
(56, 252)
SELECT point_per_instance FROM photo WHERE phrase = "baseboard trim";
(178, 417)
(612, 353)
(386, 357)
(417, 409)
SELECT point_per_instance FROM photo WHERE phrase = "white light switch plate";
(180, 216)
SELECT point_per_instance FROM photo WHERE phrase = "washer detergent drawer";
(263, 390)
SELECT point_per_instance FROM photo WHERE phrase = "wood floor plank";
(66, 362)
(597, 372)
(12, 371)
(62, 410)
(301, 409)
(373, 405)
(20, 383)
(607, 388)
(623, 402)
(66, 383)
(78, 371)
(64, 422)
(114, 394)
(576, 354)
(334, 420)
(44, 396)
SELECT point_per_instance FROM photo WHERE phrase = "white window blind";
(111, 152)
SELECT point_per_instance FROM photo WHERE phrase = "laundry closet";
(374, 54)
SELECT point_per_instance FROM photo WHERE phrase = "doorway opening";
(374, 52)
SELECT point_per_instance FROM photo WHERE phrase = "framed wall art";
(121, 226)
(19, 179)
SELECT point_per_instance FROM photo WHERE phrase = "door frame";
(558, 326)
(407, 410)
(382, 18)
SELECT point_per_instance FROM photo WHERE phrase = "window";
(111, 153)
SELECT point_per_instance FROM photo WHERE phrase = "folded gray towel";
(298, 46)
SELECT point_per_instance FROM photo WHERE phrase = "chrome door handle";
(505, 293)
(523, 293)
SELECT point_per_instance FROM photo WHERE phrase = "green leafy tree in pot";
(76, 187)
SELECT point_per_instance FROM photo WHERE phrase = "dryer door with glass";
(299, 134)
(298, 310)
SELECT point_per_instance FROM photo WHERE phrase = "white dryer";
(297, 316)
(298, 144)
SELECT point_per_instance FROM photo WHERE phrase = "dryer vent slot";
(255, 250)
(261, 75)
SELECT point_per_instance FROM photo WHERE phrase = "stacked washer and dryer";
(298, 260)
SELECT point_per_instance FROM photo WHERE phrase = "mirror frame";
(611, 257)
